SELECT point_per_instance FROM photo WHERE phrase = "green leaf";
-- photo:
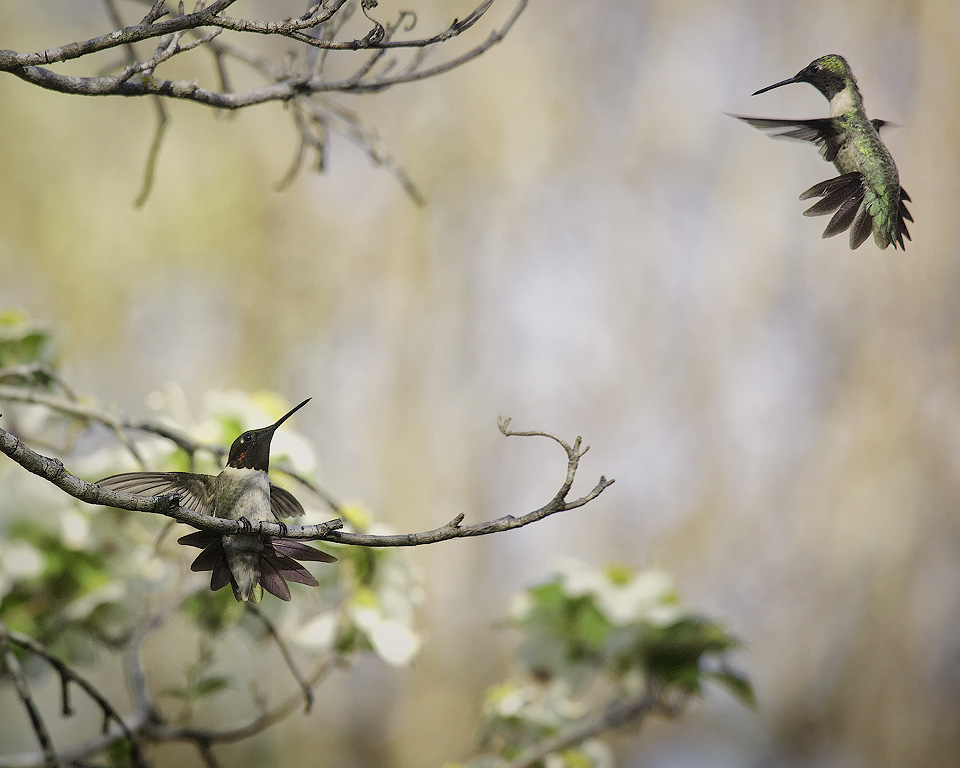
(736, 684)
(575, 758)
(592, 627)
(176, 692)
(547, 600)
(23, 340)
(213, 611)
(207, 686)
(119, 754)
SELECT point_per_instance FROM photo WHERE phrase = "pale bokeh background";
(603, 253)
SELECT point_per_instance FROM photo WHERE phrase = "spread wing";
(825, 132)
(194, 489)
(283, 503)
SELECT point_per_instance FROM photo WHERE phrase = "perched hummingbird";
(867, 195)
(241, 492)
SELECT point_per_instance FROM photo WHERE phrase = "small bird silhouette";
(867, 195)
(248, 562)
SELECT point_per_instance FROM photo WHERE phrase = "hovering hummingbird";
(867, 194)
(241, 492)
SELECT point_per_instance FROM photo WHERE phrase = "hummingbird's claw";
(247, 527)
(283, 529)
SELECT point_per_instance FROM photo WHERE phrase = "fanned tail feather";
(845, 195)
(847, 198)
(844, 216)
(278, 562)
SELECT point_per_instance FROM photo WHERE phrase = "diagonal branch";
(258, 724)
(67, 676)
(288, 659)
(12, 666)
(617, 713)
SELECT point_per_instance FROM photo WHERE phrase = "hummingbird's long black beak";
(788, 81)
(289, 414)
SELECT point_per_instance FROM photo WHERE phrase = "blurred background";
(603, 252)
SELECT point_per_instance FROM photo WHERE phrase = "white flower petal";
(319, 633)
(22, 561)
(74, 529)
(82, 607)
(394, 643)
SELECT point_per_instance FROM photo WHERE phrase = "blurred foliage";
(23, 341)
(200, 680)
(76, 579)
(591, 638)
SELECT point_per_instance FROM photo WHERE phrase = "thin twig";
(259, 723)
(150, 166)
(616, 714)
(369, 142)
(287, 656)
(69, 675)
(12, 665)
(42, 373)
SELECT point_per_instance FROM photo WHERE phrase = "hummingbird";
(867, 195)
(248, 562)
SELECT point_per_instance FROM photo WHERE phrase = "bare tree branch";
(32, 66)
(12, 665)
(617, 713)
(150, 167)
(314, 34)
(168, 504)
(287, 656)
(42, 374)
(145, 724)
(68, 676)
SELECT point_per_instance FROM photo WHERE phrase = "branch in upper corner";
(301, 76)
(34, 67)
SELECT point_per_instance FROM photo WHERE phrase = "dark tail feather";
(848, 181)
(296, 550)
(278, 563)
(207, 560)
(845, 195)
(221, 574)
(861, 228)
(902, 219)
(832, 200)
(200, 539)
(291, 570)
(844, 217)
(272, 581)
